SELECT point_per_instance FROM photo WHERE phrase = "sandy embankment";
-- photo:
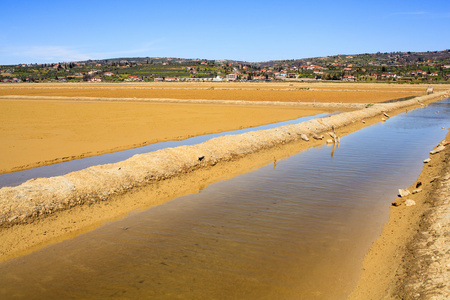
(170, 168)
(410, 259)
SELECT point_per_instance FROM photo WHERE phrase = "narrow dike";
(44, 196)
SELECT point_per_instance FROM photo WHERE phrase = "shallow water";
(296, 231)
(16, 178)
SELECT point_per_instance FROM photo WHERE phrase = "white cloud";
(42, 54)
(53, 54)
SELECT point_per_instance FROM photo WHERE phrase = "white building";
(232, 77)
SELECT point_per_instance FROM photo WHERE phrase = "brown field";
(45, 131)
(284, 92)
(41, 132)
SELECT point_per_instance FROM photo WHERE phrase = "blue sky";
(60, 31)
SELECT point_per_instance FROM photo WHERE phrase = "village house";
(172, 78)
(259, 78)
(389, 75)
(196, 79)
(348, 78)
(134, 78)
(108, 74)
(232, 77)
(96, 79)
(419, 72)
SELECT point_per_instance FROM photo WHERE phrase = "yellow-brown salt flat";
(41, 132)
(296, 92)
(101, 113)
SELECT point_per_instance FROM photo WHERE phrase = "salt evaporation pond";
(16, 178)
(297, 231)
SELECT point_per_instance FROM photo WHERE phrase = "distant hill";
(431, 66)
(387, 59)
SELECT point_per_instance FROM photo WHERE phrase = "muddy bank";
(410, 258)
(425, 271)
(43, 196)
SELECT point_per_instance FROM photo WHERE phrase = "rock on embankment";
(46, 195)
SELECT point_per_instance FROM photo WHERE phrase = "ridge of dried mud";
(43, 196)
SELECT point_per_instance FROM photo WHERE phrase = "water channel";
(296, 231)
(16, 178)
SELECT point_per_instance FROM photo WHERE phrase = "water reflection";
(295, 230)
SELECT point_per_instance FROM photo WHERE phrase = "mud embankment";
(43, 196)
(410, 259)
(425, 272)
